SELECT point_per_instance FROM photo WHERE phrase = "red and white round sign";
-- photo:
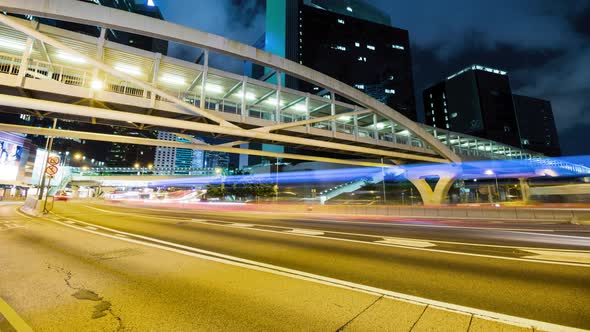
(51, 170)
(53, 160)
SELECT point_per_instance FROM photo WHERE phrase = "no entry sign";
(51, 170)
(53, 160)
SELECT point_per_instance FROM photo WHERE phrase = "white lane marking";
(406, 242)
(92, 228)
(121, 235)
(69, 222)
(241, 225)
(587, 238)
(398, 245)
(295, 274)
(305, 232)
(386, 223)
(573, 257)
(199, 220)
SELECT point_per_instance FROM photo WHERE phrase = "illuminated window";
(360, 86)
(357, 44)
(362, 58)
(341, 21)
(371, 47)
(398, 47)
(390, 91)
(151, 3)
(349, 9)
(340, 48)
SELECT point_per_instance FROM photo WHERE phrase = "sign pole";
(50, 147)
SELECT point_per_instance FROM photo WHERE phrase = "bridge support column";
(433, 195)
(524, 189)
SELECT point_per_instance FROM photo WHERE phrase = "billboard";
(10, 158)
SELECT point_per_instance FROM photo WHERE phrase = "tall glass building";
(478, 101)
(349, 40)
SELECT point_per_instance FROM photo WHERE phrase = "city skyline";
(541, 44)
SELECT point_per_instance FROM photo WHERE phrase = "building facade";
(177, 161)
(537, 125)
(476, 101)
(349, 40)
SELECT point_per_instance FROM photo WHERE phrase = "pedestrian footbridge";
(50, 72)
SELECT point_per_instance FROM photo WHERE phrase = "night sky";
(543, 44)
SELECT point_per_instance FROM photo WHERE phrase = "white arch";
(80, 12)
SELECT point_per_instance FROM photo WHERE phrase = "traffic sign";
(51, 170)
(53, 160)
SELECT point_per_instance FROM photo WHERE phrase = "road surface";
(537, 272)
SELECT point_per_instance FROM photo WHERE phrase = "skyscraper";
(349, 40)
(537, 125)
(177, 161)
(475, 101)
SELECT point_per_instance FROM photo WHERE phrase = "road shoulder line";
(13, 317)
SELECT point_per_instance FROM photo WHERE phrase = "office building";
(537, 125)
(475, 101)
(176, 161)
(130, 155)
(349, 40)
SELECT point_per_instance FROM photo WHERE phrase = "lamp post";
(491, 172)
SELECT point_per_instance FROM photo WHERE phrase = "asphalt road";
(505, 268)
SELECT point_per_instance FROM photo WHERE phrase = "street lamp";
(136, 165)
(78, 156)
(491, 172)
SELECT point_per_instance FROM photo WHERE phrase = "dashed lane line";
(306, 232)
(404, 243)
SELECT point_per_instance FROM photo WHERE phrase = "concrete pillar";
(429, 196)
(524, 189)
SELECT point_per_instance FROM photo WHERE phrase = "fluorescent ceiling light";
(249, 96)
(380, 125)
(273, 101)
(128, 69)
(345, 118)
(173, 79)
(14, 45)
(214, 88)
(300, 108)
(70, 58)
(404, 133)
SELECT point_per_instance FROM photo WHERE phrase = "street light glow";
(489, 172)
(96, 85)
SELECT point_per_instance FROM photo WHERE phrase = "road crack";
(102, 309)
(343, 327)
